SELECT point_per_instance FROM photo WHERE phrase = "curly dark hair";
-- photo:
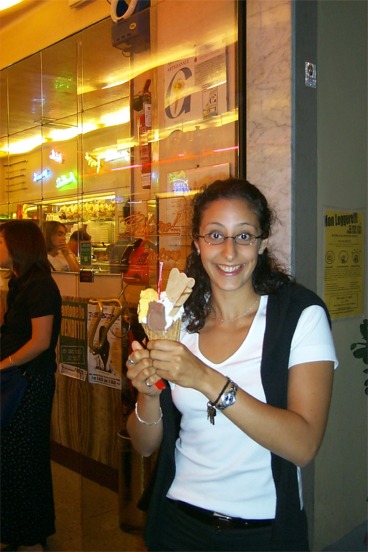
(26, 245)
(268, 275)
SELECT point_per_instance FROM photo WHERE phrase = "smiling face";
(229, 265)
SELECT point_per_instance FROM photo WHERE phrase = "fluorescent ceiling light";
(116, 117)
(23, 146)
(5, 4)
(60, 135)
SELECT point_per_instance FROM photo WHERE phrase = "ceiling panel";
(73, 77)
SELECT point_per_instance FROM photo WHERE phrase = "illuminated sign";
(113, 155)
(181, 185)
(56, 156)
(39, 176)
(93, 162)
(63, 83)
(66, 179)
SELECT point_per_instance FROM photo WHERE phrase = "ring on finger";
(148, 384)
(131, 361)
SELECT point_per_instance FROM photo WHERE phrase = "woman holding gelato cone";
(247, 390)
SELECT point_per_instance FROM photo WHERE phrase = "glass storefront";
(112, 130)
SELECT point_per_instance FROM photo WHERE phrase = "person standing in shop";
(60, 256)
(29, 335)
(247, 392)
(75, 239)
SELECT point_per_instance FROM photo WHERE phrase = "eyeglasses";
(216, 238)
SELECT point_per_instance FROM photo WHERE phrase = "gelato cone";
(160, 313)
(173, 332)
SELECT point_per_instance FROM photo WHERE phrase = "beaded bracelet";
(143, 421)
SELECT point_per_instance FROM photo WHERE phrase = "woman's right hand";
(140, 370)
(144, 425)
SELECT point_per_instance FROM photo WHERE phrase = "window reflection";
(99, 138)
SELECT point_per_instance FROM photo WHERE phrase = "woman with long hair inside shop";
(29, 334)
(247, 392)
(60, 256)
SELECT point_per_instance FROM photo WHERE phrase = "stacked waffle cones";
(160, 313)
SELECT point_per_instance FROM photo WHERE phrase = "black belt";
(220, 521)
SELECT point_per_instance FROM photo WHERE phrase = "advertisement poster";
(344, 263)
(73, 338)
(104, 365)
(195, 88)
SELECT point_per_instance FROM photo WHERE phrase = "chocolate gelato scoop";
(156, 316)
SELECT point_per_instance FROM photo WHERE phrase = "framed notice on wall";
(344, 262)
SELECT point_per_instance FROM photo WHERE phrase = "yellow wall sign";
(344, 263)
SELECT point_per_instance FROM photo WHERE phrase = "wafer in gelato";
(160, 313)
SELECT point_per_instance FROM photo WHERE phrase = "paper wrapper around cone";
(171, 333)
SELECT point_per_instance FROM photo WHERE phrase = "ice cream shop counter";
(102, 285)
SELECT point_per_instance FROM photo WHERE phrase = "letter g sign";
(175, 95)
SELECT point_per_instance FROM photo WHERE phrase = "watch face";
(227, 398)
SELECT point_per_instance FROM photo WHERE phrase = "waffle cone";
(171, 333)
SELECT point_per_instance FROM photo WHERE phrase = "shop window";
(98, 133)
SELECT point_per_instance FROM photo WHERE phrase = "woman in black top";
(29, 335)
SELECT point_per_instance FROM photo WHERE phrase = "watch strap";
(227, 397)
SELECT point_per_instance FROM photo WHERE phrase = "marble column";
(269, 112)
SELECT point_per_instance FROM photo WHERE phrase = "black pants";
(181, 532)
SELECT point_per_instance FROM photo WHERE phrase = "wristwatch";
(228, 398)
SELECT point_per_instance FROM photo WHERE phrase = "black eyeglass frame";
(252, 237)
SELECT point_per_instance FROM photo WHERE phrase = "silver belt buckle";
(222, 517)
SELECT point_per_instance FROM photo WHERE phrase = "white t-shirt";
(59, 262)
(218, 467)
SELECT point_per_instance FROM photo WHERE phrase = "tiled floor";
(87, 517)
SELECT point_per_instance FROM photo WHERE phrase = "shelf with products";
(94, 213)
(73, 210)
(117, 225)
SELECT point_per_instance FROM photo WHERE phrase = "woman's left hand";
(174, 362)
